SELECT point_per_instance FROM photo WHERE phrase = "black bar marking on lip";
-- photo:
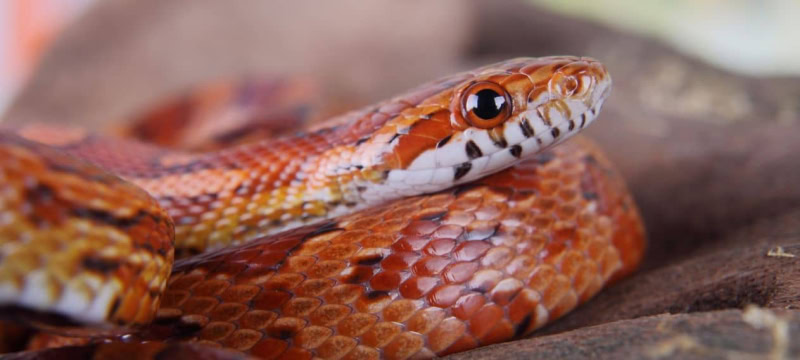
(555, 132)
(498, 140)
(571, 125)
(362, 140)
(583, 120)
(516, 151)
(462, 170)
(395, 136)
(444, 141)
(526, 128)
(473, 151)
(520, 329)
(100, 265)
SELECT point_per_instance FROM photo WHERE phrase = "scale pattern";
(423, 276)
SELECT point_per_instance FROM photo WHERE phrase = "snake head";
(473, 124)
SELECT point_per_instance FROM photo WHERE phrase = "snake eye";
(485, 104)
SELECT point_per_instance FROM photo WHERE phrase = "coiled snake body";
(435, 222)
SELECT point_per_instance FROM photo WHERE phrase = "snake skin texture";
(377, 234)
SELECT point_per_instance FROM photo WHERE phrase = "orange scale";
(364, 223)
(336, 347)
(351, 236)
(300, 306)
(410, 243)
(323, 269)
(338, 252)
(448, 231)
(430, 265)
(439, 247)
(400, 310)
(459, 272)
(555, 291)
(372, 302)
(199, 305)
(497, 257)
(464, 343)
(404, 346)
(416, 287)
(542, 277)
(311, 248)
(484, 280)
(343, 294)
(593, 286)
(269, 348)
(505, 291)
(185, 281)
(312, 336)
(572, 263)
(524, 306)
(286, 281)
(466, 203)
(242, 339)
(481, 229)
(216, 330)
(356, 275)
(254, 275)
(466, 306)
(329, 314)
(210, 287)
(447, 333)
(420, 227)
(564, 231)
(567, 303)
(257, 319)
(377, 241)
(445, 296)
(502, 331)
(458, 218)
(174, 298)
(294, 354)
(297, 263)
(271, 299)
(356, 324)
(269, 259)
(470, 250)
(229, 270)
(228, 312)
(385, 281)
(285, 327)
(552, 253)
(521, 266)
(399, 261)
(485, 320)
(429, 213)
(610, 262)
(361, 352)
(381, 334)
(391, 225)
(425, 320)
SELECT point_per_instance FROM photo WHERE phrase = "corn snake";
(326, 243)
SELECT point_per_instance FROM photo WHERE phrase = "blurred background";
(702, 121)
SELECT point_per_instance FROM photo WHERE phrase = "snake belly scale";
(435, 222)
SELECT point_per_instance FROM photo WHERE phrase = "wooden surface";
(712, 157)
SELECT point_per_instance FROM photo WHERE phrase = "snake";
(437, 221)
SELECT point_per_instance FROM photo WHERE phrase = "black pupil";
(486, 104)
